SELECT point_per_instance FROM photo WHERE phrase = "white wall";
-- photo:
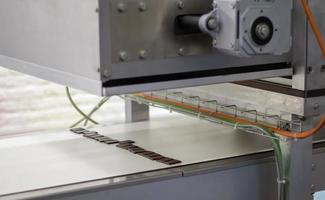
(30, 104)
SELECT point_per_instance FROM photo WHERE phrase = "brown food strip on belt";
(127, 142)
(126, 145)
(110, 142)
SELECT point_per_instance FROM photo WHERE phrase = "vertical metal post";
(135, 112)
(298, 153)
(297, 156)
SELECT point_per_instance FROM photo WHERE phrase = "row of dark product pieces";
(128, 145)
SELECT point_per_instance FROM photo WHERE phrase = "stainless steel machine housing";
(112, 46)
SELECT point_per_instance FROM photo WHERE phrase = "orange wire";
(278, 131)
(313, 24)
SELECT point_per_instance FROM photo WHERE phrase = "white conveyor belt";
(51, 159)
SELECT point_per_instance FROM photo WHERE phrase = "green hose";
(77, 108)
(97, 107)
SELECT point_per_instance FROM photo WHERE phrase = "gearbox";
(247, 27)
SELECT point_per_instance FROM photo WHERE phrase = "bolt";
(212, 23)
(316, 106)
(309, 70)
(97, 10)
(313, 166)
(312, 188)
(143, 54)
(121, 7)
(180, 5)
(322, 68)
(214, 42)
(181, 51)
(123, 56)
(106, 73)
(142, 6)
(263, 31)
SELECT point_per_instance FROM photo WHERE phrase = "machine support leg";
(297, 157)
(135, 112)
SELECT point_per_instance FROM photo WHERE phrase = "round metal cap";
(262, 31)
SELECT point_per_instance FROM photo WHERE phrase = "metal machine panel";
(152, 32)
(56, 40)
(93, 44)
(315, 61)
(149, 46)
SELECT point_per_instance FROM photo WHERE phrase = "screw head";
(322, 68)
(263, 31)
(123, 56)
(143, 54)
(316, 106)
(212, 23)
(142, 6)
(181, 51)
(309, 69)
(180, 5)
(106, 73)
(214, 42)
(121, 7)
(313, 167)
(312, 188)
(214, 4)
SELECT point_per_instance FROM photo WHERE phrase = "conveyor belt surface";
(51, 159)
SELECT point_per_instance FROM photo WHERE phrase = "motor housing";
(247, 28)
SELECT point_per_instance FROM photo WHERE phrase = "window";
(29, 104)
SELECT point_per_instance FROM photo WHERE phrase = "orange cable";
(278, 131)
(313, 24)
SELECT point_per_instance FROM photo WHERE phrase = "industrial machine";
(257, 67)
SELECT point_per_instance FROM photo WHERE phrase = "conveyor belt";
(48, 160)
